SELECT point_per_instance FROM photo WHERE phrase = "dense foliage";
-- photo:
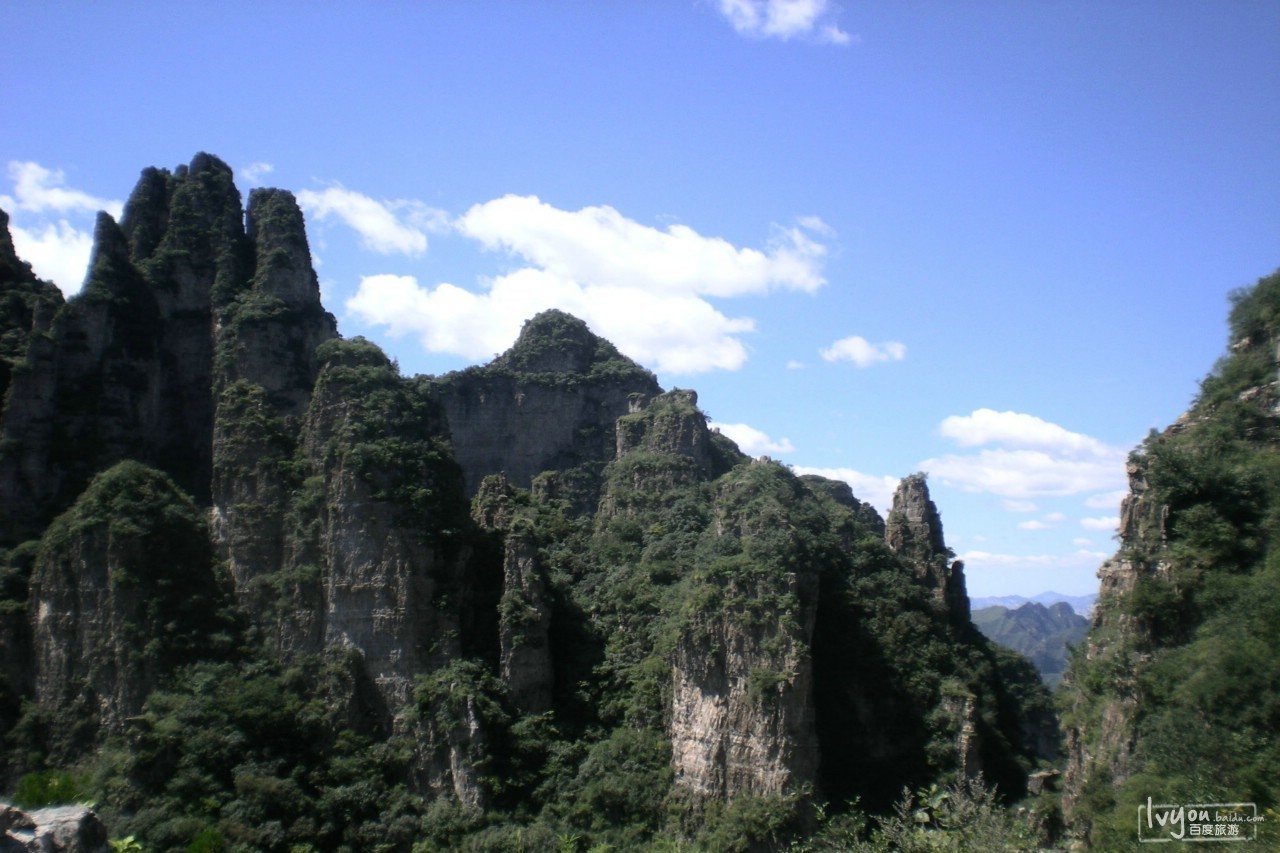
(243, 752)
(261, 613)
(1196, 647)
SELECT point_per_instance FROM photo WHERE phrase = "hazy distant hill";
(1081, 604)
(1043, 634)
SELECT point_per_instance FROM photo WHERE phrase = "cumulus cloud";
(862, 352)
(40, 190)
(599, 245)
(784, 19)
(644, 288)
(1023, 474)
(1033, 458)
(1015, 429)
(1108, 523)
(386, 227)
(58, 252)
(877, 491)
(752, 441)
(52, 224)
(680, 334)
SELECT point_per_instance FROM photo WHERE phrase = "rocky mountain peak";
(283, 258)
(914, 531)
(914, 526)
(558, 342)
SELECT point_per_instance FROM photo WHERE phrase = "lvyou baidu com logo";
(1162, 823)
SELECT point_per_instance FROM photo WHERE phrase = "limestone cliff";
(548, 403)
(123, 591)
(539, 591)
(742, 708)
(126, 370)
(1184, 625)
(914, 532)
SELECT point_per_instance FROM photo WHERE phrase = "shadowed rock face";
(547, 404)
(127, 370)
(123, 592)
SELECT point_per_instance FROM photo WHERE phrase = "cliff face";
(127, 370)
(1186, 607)
(123, 591)
(539, 584)
(914, 532)
(742, 709)
(549, 403)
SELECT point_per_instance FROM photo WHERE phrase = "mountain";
(261, 591)
(1081, 604)
(1174, 693)
(1044, 634)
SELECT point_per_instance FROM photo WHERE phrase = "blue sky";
(988, 240)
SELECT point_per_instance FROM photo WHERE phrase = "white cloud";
(987, 426)
(1020, 506)
(1021, 474)
(862, 352)
(643, 288)
(52, 224)
(40, 190)
(1082, 542)
(680, 334)
(1108, 523)
(1035, 458)
(57, 252)
(752, 441)
(877, 491)
(599, 246)
(793, 364)
(255, 172)
(784, 19)
(385, 227)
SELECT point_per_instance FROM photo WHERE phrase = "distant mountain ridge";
(1044, 634)
(1081, 604)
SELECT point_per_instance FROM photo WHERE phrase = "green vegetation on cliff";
(286, 599)
(1189, 646)
(1046, 635)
